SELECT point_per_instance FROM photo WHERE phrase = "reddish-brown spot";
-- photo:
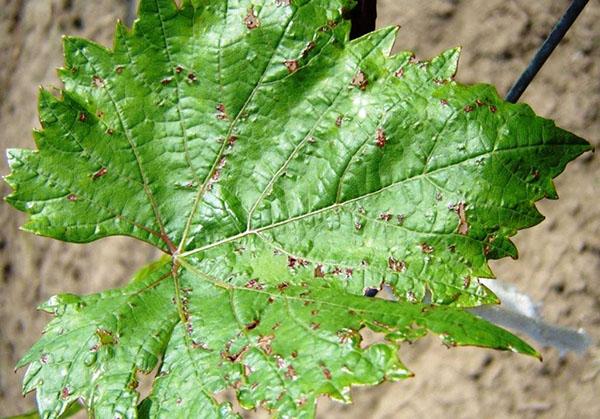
(463, 225)
(348, 272)
(254, 284)
(396, 265)
(192, 78)
(281, 287)
(199, 345)
(65, 393)
(98, 81)
(231, 140)
(466, 281)
(110, 131)
(318, 272)
(252, 325)
(493, 109)
(119, 69)
(251, 20)
(100, 173)
(338, 121)
(221, 112)
(314, 312)
(308, 48)
(264, 343)
(360, 80)
(178, 69)
(426, 248)
(380, 138)
(166, 81)
(357, 225)
(270, 300)
(385, 216)
(44, 359)
(82, 117)
(294, 354)
(452, 248)
(536, 174)
(326, 373)
(468, 108)
(291, 65)
(399, 73)
(444, 102)
(479, 102)
(336, 271)
(291, 373)
(315, 326)
(292, 262)
(72, 197)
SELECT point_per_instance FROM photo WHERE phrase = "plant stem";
(542, 54)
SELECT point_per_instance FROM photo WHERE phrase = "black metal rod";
(363, 18)
(542, 54)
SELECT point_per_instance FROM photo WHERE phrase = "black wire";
(363, 18)
(542, 54)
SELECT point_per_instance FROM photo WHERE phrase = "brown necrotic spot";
(426, 248)
(360, 80)
(221, 112)
(468, 108)
(252, 325)
(103, 171)
(119, 69)
(82, 117)
(291, 65)
(326, 373)
(385, 216)
(493, 109)
(97, 81)
(338, 121)
(399, 73)
(308, 48)
(178, 69)
(463, 225)
(380, 138)
(166, 81)
(110, 131)
(251, 20)
(72, 197)
(318, 272)
(192, 78)
(396, 265)
(65, 393)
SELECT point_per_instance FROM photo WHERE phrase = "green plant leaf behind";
(284, 170)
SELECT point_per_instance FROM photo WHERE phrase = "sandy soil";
(559, 261)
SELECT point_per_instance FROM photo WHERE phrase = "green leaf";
(283, 170)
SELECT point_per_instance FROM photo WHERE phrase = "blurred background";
(559, 263)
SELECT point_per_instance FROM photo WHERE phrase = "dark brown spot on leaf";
(425, 248)
(166, 81)
(466, 281)
(338, 121)
(100, 173)
(251, 20)
(468, 108)
(360, 80)
(82, 117)
(65, 393)
(178, 69)
(308, 48)
(380, 138)
(318, 272)
(399, 73)
(327, 373)
(119, 69)
(291, 65)
(385, 216)
(479, 102)
(110, 131)
(192, 78)
(291, 373)
(463, 225)
(252, 325)
(396, 265)
(493, 109)
(72, 197)
(97, 81)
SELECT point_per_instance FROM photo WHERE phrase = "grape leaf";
(284, 170)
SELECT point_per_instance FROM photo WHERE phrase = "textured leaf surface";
(284, 170)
